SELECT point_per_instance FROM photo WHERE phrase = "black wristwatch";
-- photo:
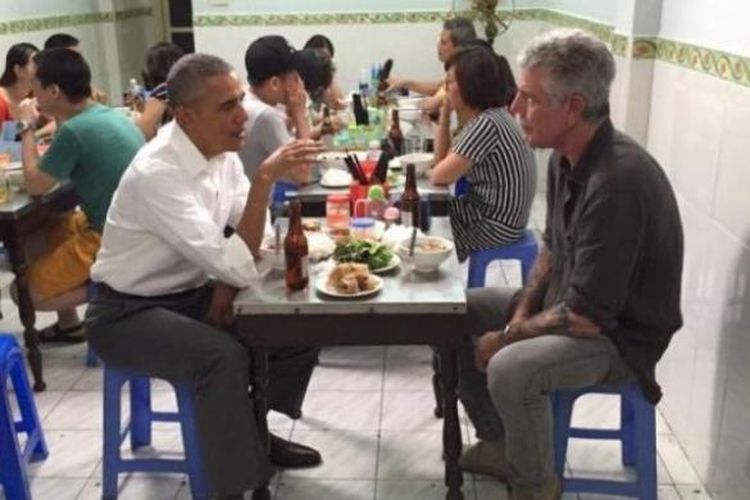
(23, 126)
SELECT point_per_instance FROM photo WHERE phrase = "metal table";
(411, 308)
(19, 218)
(313, 197)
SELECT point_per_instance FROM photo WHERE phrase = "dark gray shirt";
(614, 232)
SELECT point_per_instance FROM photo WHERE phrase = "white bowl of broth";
(429, 252)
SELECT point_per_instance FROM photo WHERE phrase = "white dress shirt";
(165, 227)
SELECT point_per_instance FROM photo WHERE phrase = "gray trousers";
(511, 401)
(165, 337)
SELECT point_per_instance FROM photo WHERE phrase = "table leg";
(259, 388)
(451, 428)
(26, 312)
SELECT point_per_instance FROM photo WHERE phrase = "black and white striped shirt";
(502, 180)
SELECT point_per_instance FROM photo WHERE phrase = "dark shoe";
(287, 454)
(70, 335)
(486, 458)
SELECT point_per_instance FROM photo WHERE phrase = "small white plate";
(334, 185)
(322, 287)
(393, 264)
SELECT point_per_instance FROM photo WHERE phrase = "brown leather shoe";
(486, 458)
(287, 454)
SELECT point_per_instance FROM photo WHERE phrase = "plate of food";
(349, 281)
(379, 258)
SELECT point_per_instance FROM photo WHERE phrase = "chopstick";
(355, 170)
(413, 241)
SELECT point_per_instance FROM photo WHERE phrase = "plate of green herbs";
(378, 257)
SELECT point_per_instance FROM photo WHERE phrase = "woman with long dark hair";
(15, 82)
(159, 60)
(489, 152)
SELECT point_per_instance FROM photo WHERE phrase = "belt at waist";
(104, 290)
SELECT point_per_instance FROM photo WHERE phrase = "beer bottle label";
(407, 218)
(304, 266)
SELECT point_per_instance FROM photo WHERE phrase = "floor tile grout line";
(380, 423)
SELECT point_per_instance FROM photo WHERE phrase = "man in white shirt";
(272, 65)
(156, 311)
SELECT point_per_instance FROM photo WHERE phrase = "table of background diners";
(411, 308)
(313, 197)
(19, 218)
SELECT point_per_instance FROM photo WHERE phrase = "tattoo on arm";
(556, 320)
(532, 295)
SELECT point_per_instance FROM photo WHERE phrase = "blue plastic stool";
(637, 433)
(92, 360)
(139, 429)
(13, 459)
(281, 193)
(525, 250)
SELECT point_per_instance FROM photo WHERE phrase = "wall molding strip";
(55, 22)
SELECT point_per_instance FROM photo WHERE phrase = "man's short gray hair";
(578, 63)
(461, 30)
(187, 78)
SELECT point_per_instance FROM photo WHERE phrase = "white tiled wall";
(114, 51)
(698, 132)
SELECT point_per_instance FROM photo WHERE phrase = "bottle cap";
(363, 222)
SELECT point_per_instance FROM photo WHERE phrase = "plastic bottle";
(373, 151)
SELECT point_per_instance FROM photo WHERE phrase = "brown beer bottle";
(410, 199)
(395, 136)
(295, 250)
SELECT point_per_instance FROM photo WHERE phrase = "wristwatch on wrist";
(505, 335)
(23, 126)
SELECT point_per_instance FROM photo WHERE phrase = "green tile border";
(55, 22)
(730, 67)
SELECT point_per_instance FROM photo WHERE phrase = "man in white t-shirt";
(157, 312)
(272, 65)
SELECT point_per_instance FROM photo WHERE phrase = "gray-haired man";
(604, 297)
(156, 311)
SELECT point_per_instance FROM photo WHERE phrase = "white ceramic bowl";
(269, 255)
(409, 108)
(335, 159)
(422, 162)
(425, 259)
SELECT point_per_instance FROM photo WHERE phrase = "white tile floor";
(368, 410)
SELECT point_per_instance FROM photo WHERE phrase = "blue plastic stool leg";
(627, 425)
(140, 412)
(29, 417)
(12, 468)
(645, 434)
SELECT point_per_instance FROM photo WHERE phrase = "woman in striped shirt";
(490, 152)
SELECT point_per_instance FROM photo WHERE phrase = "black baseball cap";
(270, 56)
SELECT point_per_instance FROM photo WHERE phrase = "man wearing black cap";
(271, 65)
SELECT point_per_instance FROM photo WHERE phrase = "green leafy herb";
(375, 255)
